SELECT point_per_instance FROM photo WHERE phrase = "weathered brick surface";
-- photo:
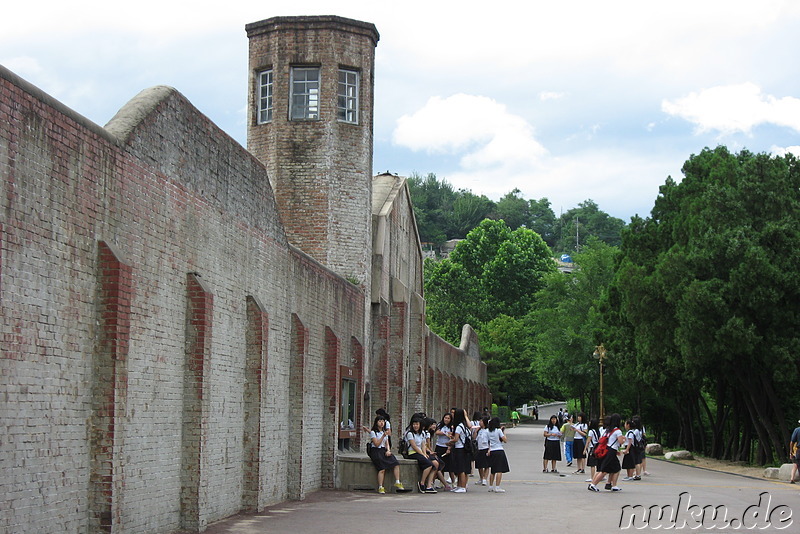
(168, 358)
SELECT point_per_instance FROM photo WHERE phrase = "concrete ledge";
(354, 471)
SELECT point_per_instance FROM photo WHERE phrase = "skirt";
(577, 448)
(552, 449)
(610, 464)
(444, 459)
(498, 462)
(481, 460)
(629, 460)
(460, 462)
(380, 460)
(591, 461)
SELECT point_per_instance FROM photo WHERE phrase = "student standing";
(459, 459)
(481, 458)
(498, 462)
(568, 434)
(552, 445)
(592, 437)
(579, 442)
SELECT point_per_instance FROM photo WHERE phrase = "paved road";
(535, 502)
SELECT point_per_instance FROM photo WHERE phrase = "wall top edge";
(313, 23)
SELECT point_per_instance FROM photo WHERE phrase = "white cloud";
(476, 127)
(782, 151)
(550, 95)
(734, 108)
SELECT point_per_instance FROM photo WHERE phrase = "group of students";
(443, 450)
(598, 447)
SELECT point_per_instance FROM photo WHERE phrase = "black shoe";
(608, 486)
(421, 487)
(569, 464)
(637, 477)
(430, 490)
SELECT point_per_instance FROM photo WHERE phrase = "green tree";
(579, 224)
(493, 271)
(567, 322)
(708, 288)
(542, 220)
(514, 210)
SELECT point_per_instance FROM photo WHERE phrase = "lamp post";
(600, 355)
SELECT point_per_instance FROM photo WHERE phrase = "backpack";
(639, 441)
(470, 444)
(404, 448)
(601, 450)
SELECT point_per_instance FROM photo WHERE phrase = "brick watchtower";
(310, 122)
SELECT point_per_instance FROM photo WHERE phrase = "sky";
(568, 101)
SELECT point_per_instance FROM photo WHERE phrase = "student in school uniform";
(609, 464)
(460, 460)
(592, 437)
(498, 462)
(552, 445)
(417, 439)
(380, 453)
(443, 447)
(481, 458)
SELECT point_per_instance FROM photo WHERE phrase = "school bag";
(601, 450)
(639, 441)
(404, 447)
(470, 444)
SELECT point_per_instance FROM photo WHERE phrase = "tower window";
(304, 99)
(264, 96)
(347, 103)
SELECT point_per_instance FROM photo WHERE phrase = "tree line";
(697, 305)
(444, 213)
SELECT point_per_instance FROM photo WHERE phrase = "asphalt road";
(539, 502)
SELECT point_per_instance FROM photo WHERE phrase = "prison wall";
(152, 311)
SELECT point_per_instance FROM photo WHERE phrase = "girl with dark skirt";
(552, 445)
(418, 450)
(380, 453)
(579, 443)
(481, 458)
(592, 437)
(460, 462)
(609, 464)
(444, 433)
(498, 463)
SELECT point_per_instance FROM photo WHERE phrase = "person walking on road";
(568, 434)
(794, 452)
(609, 464)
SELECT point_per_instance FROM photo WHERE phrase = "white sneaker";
(483, 482)
(477, 482)
(588, 480)
(498, 489)
(616, 488)
(460, 490)
(627, 478)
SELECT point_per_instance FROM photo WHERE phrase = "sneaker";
(578, 472)
(554, 471)
(581, 471)
(498, 489)
(460, 490)
(430, 490)
(588, 480)
(421, 487)
(616, 488)
(478, 482)
(608, 486)
(592, 487)
(627, 478)
(399, 486)
(381, 490)
(483, 482)
(569, 464)
(491, 488)
(637, 477)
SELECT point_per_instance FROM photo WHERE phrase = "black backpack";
(470, 444)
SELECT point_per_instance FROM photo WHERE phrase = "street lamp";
(600, 355)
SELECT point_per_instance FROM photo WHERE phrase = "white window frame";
(264, 97)
(347, 96)
(304, 94)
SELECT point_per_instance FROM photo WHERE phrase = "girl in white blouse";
(380, 452)
(498, 462)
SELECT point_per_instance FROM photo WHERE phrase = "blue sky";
(564, 100)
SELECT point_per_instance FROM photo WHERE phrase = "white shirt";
(494, 439)
(612, 439)
(443, 440)
(555, 433)
(381, 436)
(582, 427)
(483, 439)
(461, 431)
(419, 439)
